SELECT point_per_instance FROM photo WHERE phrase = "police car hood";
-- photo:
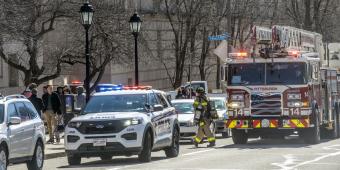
(184, 117)
(108, 115)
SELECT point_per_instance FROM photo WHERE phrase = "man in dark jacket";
(37, 102)
(51, 108)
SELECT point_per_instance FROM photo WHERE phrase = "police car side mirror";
(157, 108)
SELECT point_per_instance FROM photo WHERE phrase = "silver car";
(221, 107)
(185, 110)
(22, 133)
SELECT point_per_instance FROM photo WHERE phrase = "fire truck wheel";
(312, 135)
(239, 136)
(337, 124)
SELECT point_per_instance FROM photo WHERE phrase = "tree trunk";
(307, 20)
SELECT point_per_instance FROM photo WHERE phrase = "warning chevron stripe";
(273, 123)
(256, 124)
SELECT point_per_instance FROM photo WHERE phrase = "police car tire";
(145, 155)
(73, 159)
(173, 150)
(239, 136)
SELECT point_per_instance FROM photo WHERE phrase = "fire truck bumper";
(283, 123)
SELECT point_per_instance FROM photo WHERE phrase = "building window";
(13, 73)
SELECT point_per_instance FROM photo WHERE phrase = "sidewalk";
(54, 150)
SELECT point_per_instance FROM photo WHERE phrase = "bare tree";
(28, 22)
(108, 41)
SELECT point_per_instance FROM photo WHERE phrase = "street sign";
(224, 36)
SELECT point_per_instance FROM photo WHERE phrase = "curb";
(55, 155)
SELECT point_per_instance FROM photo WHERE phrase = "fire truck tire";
(312, 135)
(337, 122)
(239, 136)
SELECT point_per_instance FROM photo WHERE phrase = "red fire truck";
(281, 89)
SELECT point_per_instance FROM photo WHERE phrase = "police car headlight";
(134, 121)
(74, 124)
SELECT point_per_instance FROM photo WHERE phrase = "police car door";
(155, 117)
(166, 120)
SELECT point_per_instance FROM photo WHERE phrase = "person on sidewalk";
(36, 101)
(203, 118)
(51, 109)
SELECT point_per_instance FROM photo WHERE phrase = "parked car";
(22, 133)
(221, 107)
(185, 110)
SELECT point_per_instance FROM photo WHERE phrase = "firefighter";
(203, 118)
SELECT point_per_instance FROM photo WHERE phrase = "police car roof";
(182, 101)
(120, 92)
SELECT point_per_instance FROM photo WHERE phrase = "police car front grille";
(102, 127)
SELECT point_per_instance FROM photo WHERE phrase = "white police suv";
(135, 120)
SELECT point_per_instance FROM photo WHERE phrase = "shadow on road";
(289, 142)
(114, 162)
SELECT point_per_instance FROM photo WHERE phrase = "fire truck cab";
(279, 92)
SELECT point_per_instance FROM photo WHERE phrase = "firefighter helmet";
(200, 90)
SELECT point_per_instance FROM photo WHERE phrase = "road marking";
(315, 160)
(194, 153)
(290, 160)
(187, 154)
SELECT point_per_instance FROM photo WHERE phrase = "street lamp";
(86, 13)
(135, 23)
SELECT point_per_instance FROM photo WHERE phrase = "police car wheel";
(73, 159)
(173, 150)
(145, 155)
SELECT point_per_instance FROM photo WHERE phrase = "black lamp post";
(135, 23)
(86, 13)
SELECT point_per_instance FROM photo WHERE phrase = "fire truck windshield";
(286, 73)
(267, 74)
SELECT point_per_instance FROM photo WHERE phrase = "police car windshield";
(1, 113)
(184, 108)
(116, 103)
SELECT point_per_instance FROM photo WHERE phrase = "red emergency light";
(76, 82)
(137, 87)
(241, 54)
(293, 53)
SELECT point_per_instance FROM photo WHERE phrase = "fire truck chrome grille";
(266, 104)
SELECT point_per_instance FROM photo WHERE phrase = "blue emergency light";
(108, 87)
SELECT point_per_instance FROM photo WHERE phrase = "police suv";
(129, 121)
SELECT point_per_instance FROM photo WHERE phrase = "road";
(288, 154)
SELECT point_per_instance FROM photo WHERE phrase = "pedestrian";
(203, 118)
(80, 99)
(27, 93)
(36, 101)
(51, 109)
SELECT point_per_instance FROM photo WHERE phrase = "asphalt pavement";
(258, 154)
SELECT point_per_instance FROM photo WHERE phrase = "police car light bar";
(108, 87)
